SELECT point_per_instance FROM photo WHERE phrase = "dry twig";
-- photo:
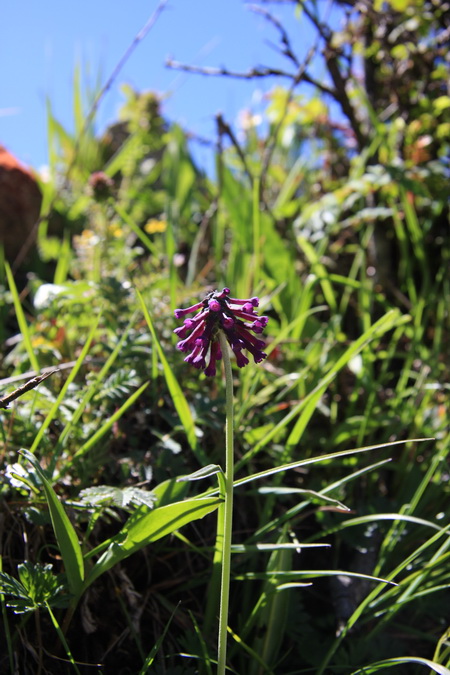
(31, 384)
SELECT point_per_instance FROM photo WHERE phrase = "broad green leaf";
(441, 103)
(145, 526)
(169, 491)
(110, 495)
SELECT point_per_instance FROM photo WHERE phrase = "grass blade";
(21, 320)
(387, 663)
(54, 409)
(178, 398)
(65, 534)
(154, 650)
(107, 426)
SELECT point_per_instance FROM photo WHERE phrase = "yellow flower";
(115, 230)
(154, 225)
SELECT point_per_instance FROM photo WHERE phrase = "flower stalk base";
(227, 511)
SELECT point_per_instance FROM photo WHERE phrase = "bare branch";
(270, 148)
(253, 73)
(31, 384)
(341, 95)
(339, 79)
(286, 49)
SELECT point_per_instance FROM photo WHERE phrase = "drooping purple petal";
(215, 355)
(252, 301)
(182, 312)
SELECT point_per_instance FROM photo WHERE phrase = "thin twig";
(286, 49)
(32, 373)
(321, 27)
(339, 79)
(90, 116)
(31, 384)
(258, 72)
(224, 128)
(110, 81)
(253, 73)
(270, 147)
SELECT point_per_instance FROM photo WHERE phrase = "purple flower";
(236, 318)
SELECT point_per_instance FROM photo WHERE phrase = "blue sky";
(43, 42)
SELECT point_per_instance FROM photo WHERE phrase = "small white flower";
(46, 293)
(13, 470)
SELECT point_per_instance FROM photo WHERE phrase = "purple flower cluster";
(236, 318)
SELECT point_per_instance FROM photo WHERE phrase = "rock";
(20, 206)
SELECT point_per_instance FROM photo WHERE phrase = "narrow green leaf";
(6, 626)
(154, 650)
(109, 423)
(136, 229)
(319, 269)
(387, 663)
(62, 638)
(91, 390)
(204, 472)
(125, 154)
(179, 399)
(272, 619)
(63, 262)
(77, 102)
(73, 373)
(387, 322)
(312, 495)
(321, 458)
(308, 574)
(21, 320)
(261, 548)
(308, 404)
(65, 534)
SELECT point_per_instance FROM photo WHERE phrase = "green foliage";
(339, 222)
(36, 587)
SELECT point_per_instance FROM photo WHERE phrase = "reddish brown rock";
(20, 205)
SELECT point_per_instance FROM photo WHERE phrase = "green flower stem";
(227, 511)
